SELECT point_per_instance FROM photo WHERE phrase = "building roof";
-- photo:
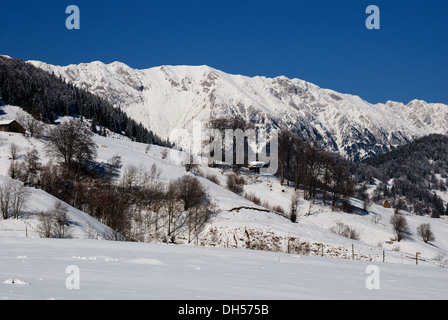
(5, 122)
(257, 164)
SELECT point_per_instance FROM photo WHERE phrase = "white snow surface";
(137, 271)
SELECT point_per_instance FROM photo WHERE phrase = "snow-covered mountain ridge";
(172, 97)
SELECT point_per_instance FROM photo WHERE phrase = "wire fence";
(7, 232)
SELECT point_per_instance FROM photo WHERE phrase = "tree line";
(305, 164)
(417, 170)
(47, 97)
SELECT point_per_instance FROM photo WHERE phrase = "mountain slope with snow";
(172, 97)
(239, 223)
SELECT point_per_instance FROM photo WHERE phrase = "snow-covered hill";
(233, 226)
(172, 97)
(82, 225)
(219, 264)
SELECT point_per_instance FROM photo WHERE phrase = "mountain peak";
(171, 97)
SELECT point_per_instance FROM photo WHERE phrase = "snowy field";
(36, 269)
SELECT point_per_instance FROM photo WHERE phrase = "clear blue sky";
(321, 41)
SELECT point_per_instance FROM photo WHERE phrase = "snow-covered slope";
(235, 227)
(274, 230)
(36, 269)
(172, 97)
(81, 225)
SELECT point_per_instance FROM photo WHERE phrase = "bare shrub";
(266, 204)
(344, 230)
(353, 234)
(253, 198)
(213, 178)
(45, 227)
(113, 236)
(376, 218)
(425, 233)
(279, 209)
(339, 229)
(235, 183)
(54, 223)
(441, 259)
(293, 208)
(295, 246)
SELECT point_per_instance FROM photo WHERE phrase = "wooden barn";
(11, 126)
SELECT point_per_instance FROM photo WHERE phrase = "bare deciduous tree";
(190, 191)
(234, 123)
(71, 142)
(13, 198)
(132, 177)
(30, 168)
(20, 198)
(400, 226)
(14, 151)
(45, 227)
(61, 220)
(32, 125)
(288, 144)
(171, 207)
(5, 200)
(54, 222)
(113, 168)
